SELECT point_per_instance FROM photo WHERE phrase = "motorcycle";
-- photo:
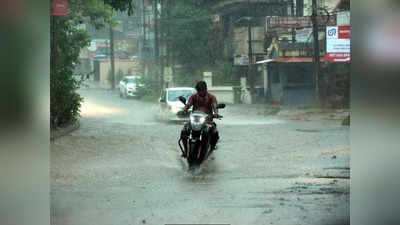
(199, 125)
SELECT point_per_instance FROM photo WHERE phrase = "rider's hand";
(217, 116)
(182, 112)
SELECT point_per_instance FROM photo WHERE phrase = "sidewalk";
(289, 112)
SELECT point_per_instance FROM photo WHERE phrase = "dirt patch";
(336, 116)
(62, 131)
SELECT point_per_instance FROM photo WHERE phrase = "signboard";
(304, 35)
(338, 44)
(241, 60)
(59, 7)
(98, 47)
(299, 21)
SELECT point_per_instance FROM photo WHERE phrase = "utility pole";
(162, 43)
(144, 38)
(316, 49)
(112, 58)
(293, 29)
(250, 53)
(156, 45)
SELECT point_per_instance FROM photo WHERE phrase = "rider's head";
(201, 88)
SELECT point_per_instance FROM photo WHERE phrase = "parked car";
(128, 86)
(170, 104)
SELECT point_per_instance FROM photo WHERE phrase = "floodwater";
(123, 166)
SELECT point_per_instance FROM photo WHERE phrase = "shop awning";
(291, 60)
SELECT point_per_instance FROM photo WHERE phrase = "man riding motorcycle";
(207, 103)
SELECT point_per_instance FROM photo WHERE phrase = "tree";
(189, 27)
(66, 42)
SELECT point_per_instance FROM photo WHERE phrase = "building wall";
(297, 81)
(223, 94)
(343, 18)
(124, 65)
(241, 37)
(329, 4)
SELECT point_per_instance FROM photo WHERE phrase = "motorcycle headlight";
(197, 122)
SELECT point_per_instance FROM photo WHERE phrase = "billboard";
(338, 44)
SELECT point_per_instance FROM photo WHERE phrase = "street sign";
(338, 44)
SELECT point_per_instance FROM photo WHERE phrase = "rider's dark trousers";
(213, 132)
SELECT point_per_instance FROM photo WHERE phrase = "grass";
(272, 110)
(309, 106)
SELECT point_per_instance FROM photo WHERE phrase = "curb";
(60, 132)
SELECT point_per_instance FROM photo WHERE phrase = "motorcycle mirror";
(182, 99)
(220, 106)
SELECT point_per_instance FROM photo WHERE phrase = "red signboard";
(59, 7)
(338, 57)
(299, 21)
(344, 32)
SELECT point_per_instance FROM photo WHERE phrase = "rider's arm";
(214, 105)
(188, 104)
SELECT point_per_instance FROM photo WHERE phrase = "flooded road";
(123, 166)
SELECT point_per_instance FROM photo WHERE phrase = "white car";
(128, 86)
(170, 104)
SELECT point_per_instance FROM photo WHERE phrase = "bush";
(65, 102)
(119, 76)
(346, 121)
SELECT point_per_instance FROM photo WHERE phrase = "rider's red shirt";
(203, 104)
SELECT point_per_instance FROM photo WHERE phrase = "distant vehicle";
(170, 104)
(128, 86)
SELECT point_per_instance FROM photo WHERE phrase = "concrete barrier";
(223, 94)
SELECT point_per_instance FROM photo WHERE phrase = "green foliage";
(148, 85)
(189, 26)
(119, 76)
(223, 71)
(66, 42)
(272, 110)
(64, 101)
(346, 121)
(187, 77)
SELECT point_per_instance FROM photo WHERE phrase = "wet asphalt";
(123, 166)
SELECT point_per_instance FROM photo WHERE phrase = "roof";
(298, 60)
(180, 89)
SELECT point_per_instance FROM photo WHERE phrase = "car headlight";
(175, 109)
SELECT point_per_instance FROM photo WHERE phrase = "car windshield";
(131, 80)
(174, 95)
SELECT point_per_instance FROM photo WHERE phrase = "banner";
(338, 44)
(59, 8)
(304, 35)
(299, 21)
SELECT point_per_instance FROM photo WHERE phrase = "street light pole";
(250, 53)
(112, 58)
